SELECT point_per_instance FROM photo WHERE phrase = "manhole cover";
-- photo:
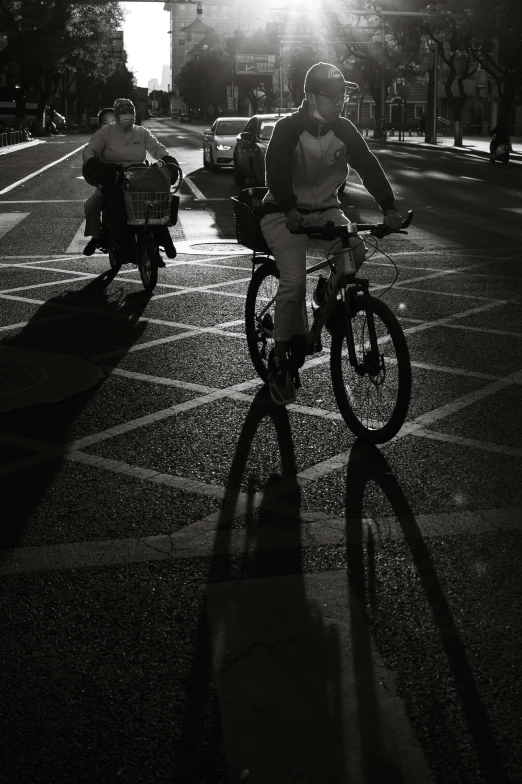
(14, 377)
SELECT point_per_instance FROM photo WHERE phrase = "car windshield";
(266, 129)
(230, 127)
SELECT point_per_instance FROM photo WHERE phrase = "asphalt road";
(197, 587)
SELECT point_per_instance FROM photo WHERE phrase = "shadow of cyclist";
(275, 661)
(75, 323)
(367, 465)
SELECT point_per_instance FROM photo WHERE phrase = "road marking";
(194, 188)
(207, 537)
(79, 240)
(49, 165)
(476, 179)
(8, 220)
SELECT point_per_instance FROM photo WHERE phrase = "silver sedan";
(219, 141)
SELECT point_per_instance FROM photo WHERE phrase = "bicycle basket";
(139, 204)
(146, 191)
(248, 229)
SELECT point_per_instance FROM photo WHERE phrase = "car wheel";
(212, 166)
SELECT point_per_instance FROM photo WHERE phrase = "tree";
(203, 81)
(373, 65)
(496, 43)
(49, 43)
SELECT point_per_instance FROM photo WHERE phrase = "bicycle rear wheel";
(148, 263)
(373, 396)
(259, 315)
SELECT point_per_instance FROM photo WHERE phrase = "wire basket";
(248, 228)
(139, 203)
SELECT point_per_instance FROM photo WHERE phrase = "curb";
(466, 149)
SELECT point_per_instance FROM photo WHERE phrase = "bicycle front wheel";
(148, 263)
(372, 392)
(259, 315)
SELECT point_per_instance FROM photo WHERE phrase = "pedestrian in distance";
(422, 123)
(93, 206)
(307, 160)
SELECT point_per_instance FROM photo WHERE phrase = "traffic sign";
(255, 63)
(289, 33)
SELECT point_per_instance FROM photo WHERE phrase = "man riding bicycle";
(113, 148)
(307, 159)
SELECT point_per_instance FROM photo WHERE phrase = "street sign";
(289, 34)
(255, 63)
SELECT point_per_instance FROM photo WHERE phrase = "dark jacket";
(306, 163)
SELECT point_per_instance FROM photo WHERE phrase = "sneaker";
(280, 384)
(90, 247)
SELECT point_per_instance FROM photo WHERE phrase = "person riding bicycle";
(307, 159)
(113, 148)
(93, 206)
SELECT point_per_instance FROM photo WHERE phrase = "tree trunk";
(458, 134)
(428, 138)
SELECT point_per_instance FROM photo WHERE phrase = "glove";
(173, 167)
(104, 173)
(392, 219)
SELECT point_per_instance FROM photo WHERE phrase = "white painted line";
(206, 537)
(8, 220)
(49, 165)
(476, 179)
(79, 241)
(194, 188)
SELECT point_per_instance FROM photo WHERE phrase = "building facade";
(222, 17)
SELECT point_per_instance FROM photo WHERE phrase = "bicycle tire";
(374, 430)
(114, 260)
(259, 340)
(148, 256)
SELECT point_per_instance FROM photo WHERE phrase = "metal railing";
(8, 138)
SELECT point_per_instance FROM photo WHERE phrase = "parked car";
(219, 141)
(250, 149)
(185, 118)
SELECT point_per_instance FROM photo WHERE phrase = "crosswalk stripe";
(8, 220)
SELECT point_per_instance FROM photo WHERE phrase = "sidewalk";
(479, 145)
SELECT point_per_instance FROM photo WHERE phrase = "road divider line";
(44, 168)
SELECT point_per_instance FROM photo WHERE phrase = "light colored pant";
(93, 209)
(289, 251)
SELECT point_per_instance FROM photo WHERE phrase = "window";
(419, 108)
(372, 111)
(230, 128)
(213, 128)
(266, 129)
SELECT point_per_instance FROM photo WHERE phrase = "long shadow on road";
(26, 481)
(367, 465)
(272, 706)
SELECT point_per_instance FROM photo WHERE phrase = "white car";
(219, 141)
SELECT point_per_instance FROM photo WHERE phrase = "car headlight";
(223, 147)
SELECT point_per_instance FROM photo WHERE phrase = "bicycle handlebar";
(330, 231)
